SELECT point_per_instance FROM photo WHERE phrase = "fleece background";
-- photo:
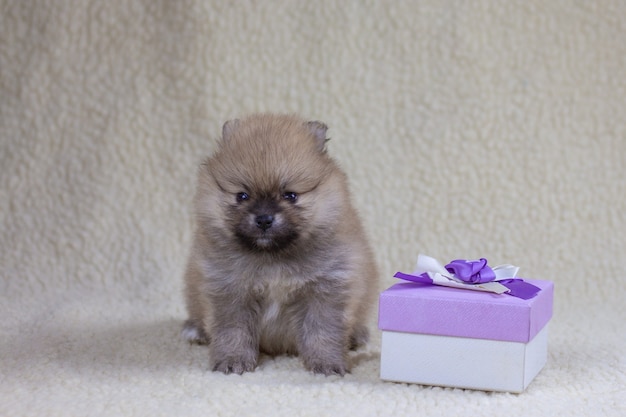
(468, 129)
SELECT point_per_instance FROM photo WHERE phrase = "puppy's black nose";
(264, 221)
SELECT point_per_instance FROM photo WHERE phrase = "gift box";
(435, 335)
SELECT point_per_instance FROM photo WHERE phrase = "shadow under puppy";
(280, 262)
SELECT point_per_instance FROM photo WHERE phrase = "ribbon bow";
(471, 275)
(473, 272)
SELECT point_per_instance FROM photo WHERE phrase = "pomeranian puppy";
(280, 263)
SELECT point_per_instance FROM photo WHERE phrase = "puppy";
(279, 263)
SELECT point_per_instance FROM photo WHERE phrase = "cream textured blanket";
(489, 129)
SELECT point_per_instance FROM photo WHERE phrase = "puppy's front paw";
(327, 368)
(235, 365)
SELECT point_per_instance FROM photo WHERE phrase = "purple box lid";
(436, 310)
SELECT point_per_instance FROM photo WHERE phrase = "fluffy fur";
(279, 263)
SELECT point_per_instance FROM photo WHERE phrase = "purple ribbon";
(477, 272)
(520, 288)
(472, 272)
(421, 278)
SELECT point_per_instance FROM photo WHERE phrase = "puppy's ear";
(228, 128)
(319, 130)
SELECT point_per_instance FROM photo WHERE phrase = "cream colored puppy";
(279, 263)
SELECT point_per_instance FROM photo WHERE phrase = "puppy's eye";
(290, 196)
(242, 197)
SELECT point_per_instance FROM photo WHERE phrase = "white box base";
(489, 365)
